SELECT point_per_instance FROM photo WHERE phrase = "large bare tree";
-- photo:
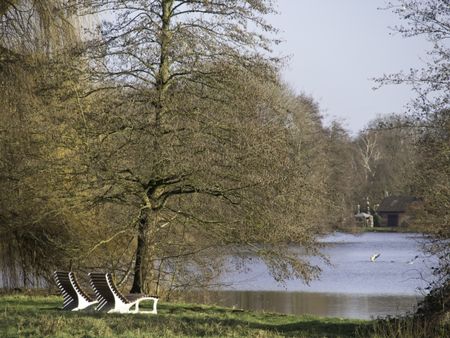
(192, 140)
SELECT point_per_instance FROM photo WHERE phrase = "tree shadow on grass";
(309, 328)
(196, 320)
(198, 316)
(199, 320)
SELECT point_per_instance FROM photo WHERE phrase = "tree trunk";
(162, 85)
(140, 254)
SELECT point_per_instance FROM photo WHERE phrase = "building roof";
(363, 215)
(396, 203)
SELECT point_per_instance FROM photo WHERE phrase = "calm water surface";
(351, 287)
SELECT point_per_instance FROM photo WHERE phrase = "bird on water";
(374, 257)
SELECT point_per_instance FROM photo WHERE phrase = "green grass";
(39, 316)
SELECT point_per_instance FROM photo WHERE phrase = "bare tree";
(191, 140)
(31, 230)
(428, 19)
(35, 28)
(369, 154)
(429, 113)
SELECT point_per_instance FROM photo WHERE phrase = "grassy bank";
(357, 229)
(39, 316)
(406, 229)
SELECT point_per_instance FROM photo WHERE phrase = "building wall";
(402, 218)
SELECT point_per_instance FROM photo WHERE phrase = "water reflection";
(314, 303)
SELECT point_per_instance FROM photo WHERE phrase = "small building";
(394, 210)
(364, 219)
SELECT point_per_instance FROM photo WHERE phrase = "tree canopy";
(162, 143)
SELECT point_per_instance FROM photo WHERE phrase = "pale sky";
(336, 47)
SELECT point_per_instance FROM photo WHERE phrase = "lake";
(351, 287)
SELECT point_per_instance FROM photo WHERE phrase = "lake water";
(351, 287)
